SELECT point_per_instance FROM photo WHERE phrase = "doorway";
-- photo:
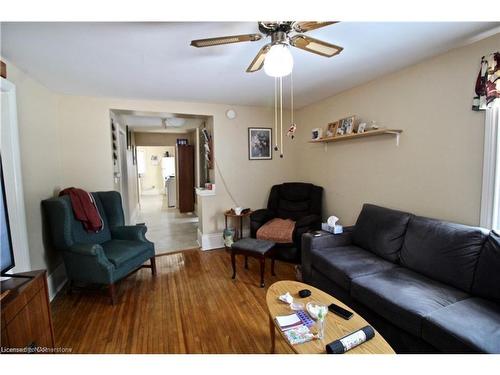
(158, 164)
(168, 228)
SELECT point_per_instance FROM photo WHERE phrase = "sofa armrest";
(130, 233)
(258, 218)
(326, 240)
(90, 250)
(88, 263)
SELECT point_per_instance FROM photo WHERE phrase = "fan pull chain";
(293, 127)
(281, 117)
(275, 114)
(291, 95)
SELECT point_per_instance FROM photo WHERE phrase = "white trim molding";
(56, 280)
(490, 195)
(11, 164)
(210, 241)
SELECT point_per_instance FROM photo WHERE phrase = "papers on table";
(293, 329)
(288, 321)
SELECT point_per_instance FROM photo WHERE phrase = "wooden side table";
(232, 214)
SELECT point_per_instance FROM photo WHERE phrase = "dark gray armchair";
(298, 201)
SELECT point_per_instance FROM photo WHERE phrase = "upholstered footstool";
(252, 247)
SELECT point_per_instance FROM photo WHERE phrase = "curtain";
(487, 83)
(490, 197)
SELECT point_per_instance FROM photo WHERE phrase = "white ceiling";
(154, 121)
(155, 61)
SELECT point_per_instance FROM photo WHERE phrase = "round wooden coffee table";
(335, 327)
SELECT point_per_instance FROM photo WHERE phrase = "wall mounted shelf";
(369, 133)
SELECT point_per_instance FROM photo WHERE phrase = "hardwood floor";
(192, 306)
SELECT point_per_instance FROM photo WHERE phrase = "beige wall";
(437, 169)
(153, 178)
(161, 139)
(41, 163)
(86, 149)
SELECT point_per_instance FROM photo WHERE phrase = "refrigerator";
(168, 173)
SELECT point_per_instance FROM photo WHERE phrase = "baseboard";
(210, 241)
(56, 280)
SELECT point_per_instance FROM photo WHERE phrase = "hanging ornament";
(291, 131)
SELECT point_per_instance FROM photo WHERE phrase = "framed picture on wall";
(260, 144)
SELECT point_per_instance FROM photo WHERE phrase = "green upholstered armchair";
(98, 258)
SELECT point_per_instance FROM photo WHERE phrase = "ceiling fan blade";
(209, 42)
(304, 26)
(315, 45)
(258, 61)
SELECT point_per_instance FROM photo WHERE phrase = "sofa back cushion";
(381, 231)
(294, 200)
(443, 251)
(487, 276)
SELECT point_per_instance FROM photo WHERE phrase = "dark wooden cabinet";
(25, 312)
(185, 176)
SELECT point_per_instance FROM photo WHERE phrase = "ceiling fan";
(275, 56)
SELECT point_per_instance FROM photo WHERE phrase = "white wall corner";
(56, 280)
(134, 216)
(210, 241)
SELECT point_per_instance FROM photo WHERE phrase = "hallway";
(169, 230)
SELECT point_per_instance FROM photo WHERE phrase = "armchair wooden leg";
(153, 265)
(112, 293)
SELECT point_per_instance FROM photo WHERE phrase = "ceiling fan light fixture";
(173, 122)
(278, 61)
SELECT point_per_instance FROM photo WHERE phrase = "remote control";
(337, 310)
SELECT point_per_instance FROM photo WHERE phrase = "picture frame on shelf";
(331, 130)
(260, 144)
(347, 125)
(317, 133)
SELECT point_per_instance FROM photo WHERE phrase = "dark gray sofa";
(424, 284)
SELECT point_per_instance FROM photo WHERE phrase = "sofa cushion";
(487, 276)
(120, 251)
(381, 230)
(470, 325)
(344, 263)
(294, 200)
(443, 251)
(403, 297)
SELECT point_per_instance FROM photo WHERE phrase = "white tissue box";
(337, 229)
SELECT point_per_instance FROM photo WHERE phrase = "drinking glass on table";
(318, 311)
